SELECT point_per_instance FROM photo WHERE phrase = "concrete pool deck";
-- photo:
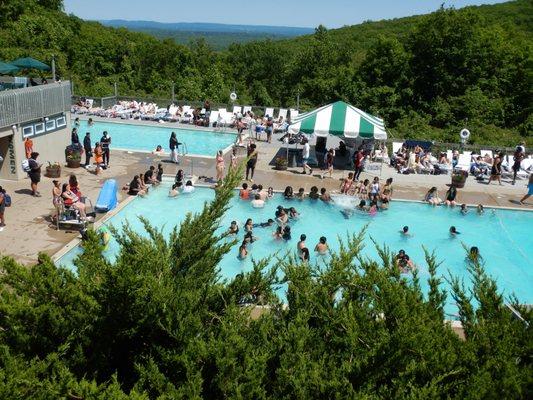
(29, 231)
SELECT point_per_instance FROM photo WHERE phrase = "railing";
(18, 106)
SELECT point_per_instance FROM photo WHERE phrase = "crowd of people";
(282, 219)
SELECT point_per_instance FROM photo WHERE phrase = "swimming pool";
(503, 237)
(134, 137)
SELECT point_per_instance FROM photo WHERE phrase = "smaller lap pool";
(504, 237)
(134, 137)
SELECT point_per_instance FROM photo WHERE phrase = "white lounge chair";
(463, 163)
(237, 110)
(449, 155)
(483, 153)
(282, 113)
(269, 112)
(293, 113)
(186, 115)
(245, 109)
(213, 117)
(396, 146)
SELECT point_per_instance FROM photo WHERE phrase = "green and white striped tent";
(339, 119)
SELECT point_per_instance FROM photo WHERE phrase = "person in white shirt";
(257, 202)
(305, 155)
(189, 188)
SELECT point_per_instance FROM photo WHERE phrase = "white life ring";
(465, 134)
(233, 96)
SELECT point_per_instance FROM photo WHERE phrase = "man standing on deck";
(88, 149)
(305, 156)
(519, 155)
(105, 141)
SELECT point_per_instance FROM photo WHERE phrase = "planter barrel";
(53, 172)
(73, 163)
(458, 181)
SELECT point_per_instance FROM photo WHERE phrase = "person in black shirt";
(105, 141)
(173, 144)
(74, 137)
(88, 149)
(149, 176)
(35, 173)
(159, 177)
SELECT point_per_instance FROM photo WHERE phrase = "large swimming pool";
(504, 237)
(134, 137)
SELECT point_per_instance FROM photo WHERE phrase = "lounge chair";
(293, 113)
(186, 115)
(245, 109)
(463, 163)
(269, 112)
(213, 117)
(483, 153)
(282, 113)
(237, 110)
(396, 146)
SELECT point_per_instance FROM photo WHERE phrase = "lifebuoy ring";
(465, 134)
(233, 96)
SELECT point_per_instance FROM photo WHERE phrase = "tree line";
(427, 76)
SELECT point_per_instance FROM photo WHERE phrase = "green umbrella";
(7, 68)
(30, 63)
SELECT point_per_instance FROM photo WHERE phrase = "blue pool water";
(148, 137)
(504, 237)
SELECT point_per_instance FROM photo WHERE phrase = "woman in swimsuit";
(432, 196)
(363, 189)
(220, 166)
(386, 193)
(451, 194)
(496, 170)
(347, 183)
(56, 198)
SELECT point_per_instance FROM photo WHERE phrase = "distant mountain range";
(202, 27)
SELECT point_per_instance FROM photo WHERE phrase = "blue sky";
(306, 13)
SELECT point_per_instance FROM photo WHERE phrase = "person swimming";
(322, 247)
(189, 188)
(248, 226)
(278, 234)
(480, 209)
(301, 243)
(313, 194)
(244, 193)
(233, 228)
(304, 255)
(269, 222)
(288, 193)
(464, 209)
(301, 194)
(243, 252)
(404, 262)
(453, 231)
(249, 237)
(362, 206)
(293, 214)
(474, 254)
(286, 233)
(270, 192)
(405, 231)
(174, 191)
(373, 210)
(257, 202)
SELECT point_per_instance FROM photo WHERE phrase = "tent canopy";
(30, 63)
(7, 68)
(339, 119)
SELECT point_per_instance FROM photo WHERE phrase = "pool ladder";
(185, 150)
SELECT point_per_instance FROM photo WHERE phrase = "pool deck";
(29, 230)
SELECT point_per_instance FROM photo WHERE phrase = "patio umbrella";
(339, 119)
(30, 63)
(7, 68)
